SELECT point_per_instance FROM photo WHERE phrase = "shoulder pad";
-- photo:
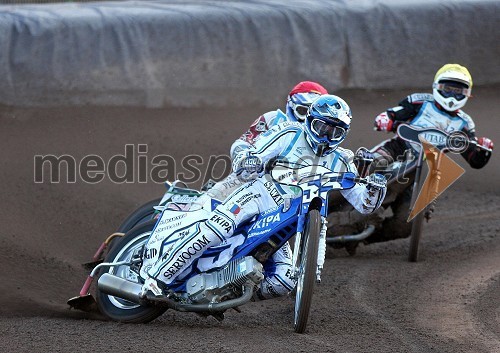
(269, 115)
(468, 120)
(417, 98)
(281, 116)
(275, 117)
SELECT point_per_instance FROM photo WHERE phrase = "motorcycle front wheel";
(307, 263)
(119, 309)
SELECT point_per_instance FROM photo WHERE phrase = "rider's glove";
(485, 142)
(248, 166)
(376, 181)
(364, 153)
(383, 122)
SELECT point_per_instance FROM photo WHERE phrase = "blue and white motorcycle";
(227, 275)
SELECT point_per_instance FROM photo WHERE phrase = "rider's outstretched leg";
(241, 205)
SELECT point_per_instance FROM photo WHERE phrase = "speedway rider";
(298, 101)
(442, 109)
(277, 269)
(315, 142)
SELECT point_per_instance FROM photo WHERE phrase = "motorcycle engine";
(214, 286)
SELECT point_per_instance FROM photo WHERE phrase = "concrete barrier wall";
(192, 53)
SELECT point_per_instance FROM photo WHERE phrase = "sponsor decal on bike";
(271, 210)
(274, 193)
(253, 234)
(289, 174)
(187, 254)
(184, 198)
(435, 139)
(265, 222)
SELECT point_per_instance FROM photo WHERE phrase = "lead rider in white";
(313, 143)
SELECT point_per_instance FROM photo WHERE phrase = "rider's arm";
(270, 144)
(259, 126)
(405, 111)
(244, 144)
(365, 199)
(474, 155)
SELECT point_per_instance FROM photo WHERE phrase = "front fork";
(321, 252)
(295, 255)
(321, 249)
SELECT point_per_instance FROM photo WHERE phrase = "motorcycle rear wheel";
(116, 308)
(307, 260)
(140, 215)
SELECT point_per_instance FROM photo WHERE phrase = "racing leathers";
(286, 141)
(421, 110)
(263, 123)
(277, 281)
(259, 126)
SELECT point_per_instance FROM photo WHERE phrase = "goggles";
(323, 129)
(447, 91)
(300, 110)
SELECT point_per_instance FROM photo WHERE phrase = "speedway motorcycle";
(405, 182)
(227, 275)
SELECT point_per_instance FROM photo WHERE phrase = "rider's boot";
(277, 276)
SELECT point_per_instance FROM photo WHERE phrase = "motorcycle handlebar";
(475, 143)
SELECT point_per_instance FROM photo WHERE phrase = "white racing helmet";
(452, 86)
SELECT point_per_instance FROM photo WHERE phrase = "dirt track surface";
(373, 302)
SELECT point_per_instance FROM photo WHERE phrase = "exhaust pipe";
(125, 289)
(120, 287)
(353, 237)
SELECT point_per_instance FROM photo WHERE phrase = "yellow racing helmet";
(452, 86)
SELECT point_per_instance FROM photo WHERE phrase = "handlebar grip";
(472, 142)
(358, 180)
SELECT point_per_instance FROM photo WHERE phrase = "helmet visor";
(452, 89)
(324, 129)
(300, 110)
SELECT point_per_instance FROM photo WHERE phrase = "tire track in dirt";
(458, 308)
(375, 301)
